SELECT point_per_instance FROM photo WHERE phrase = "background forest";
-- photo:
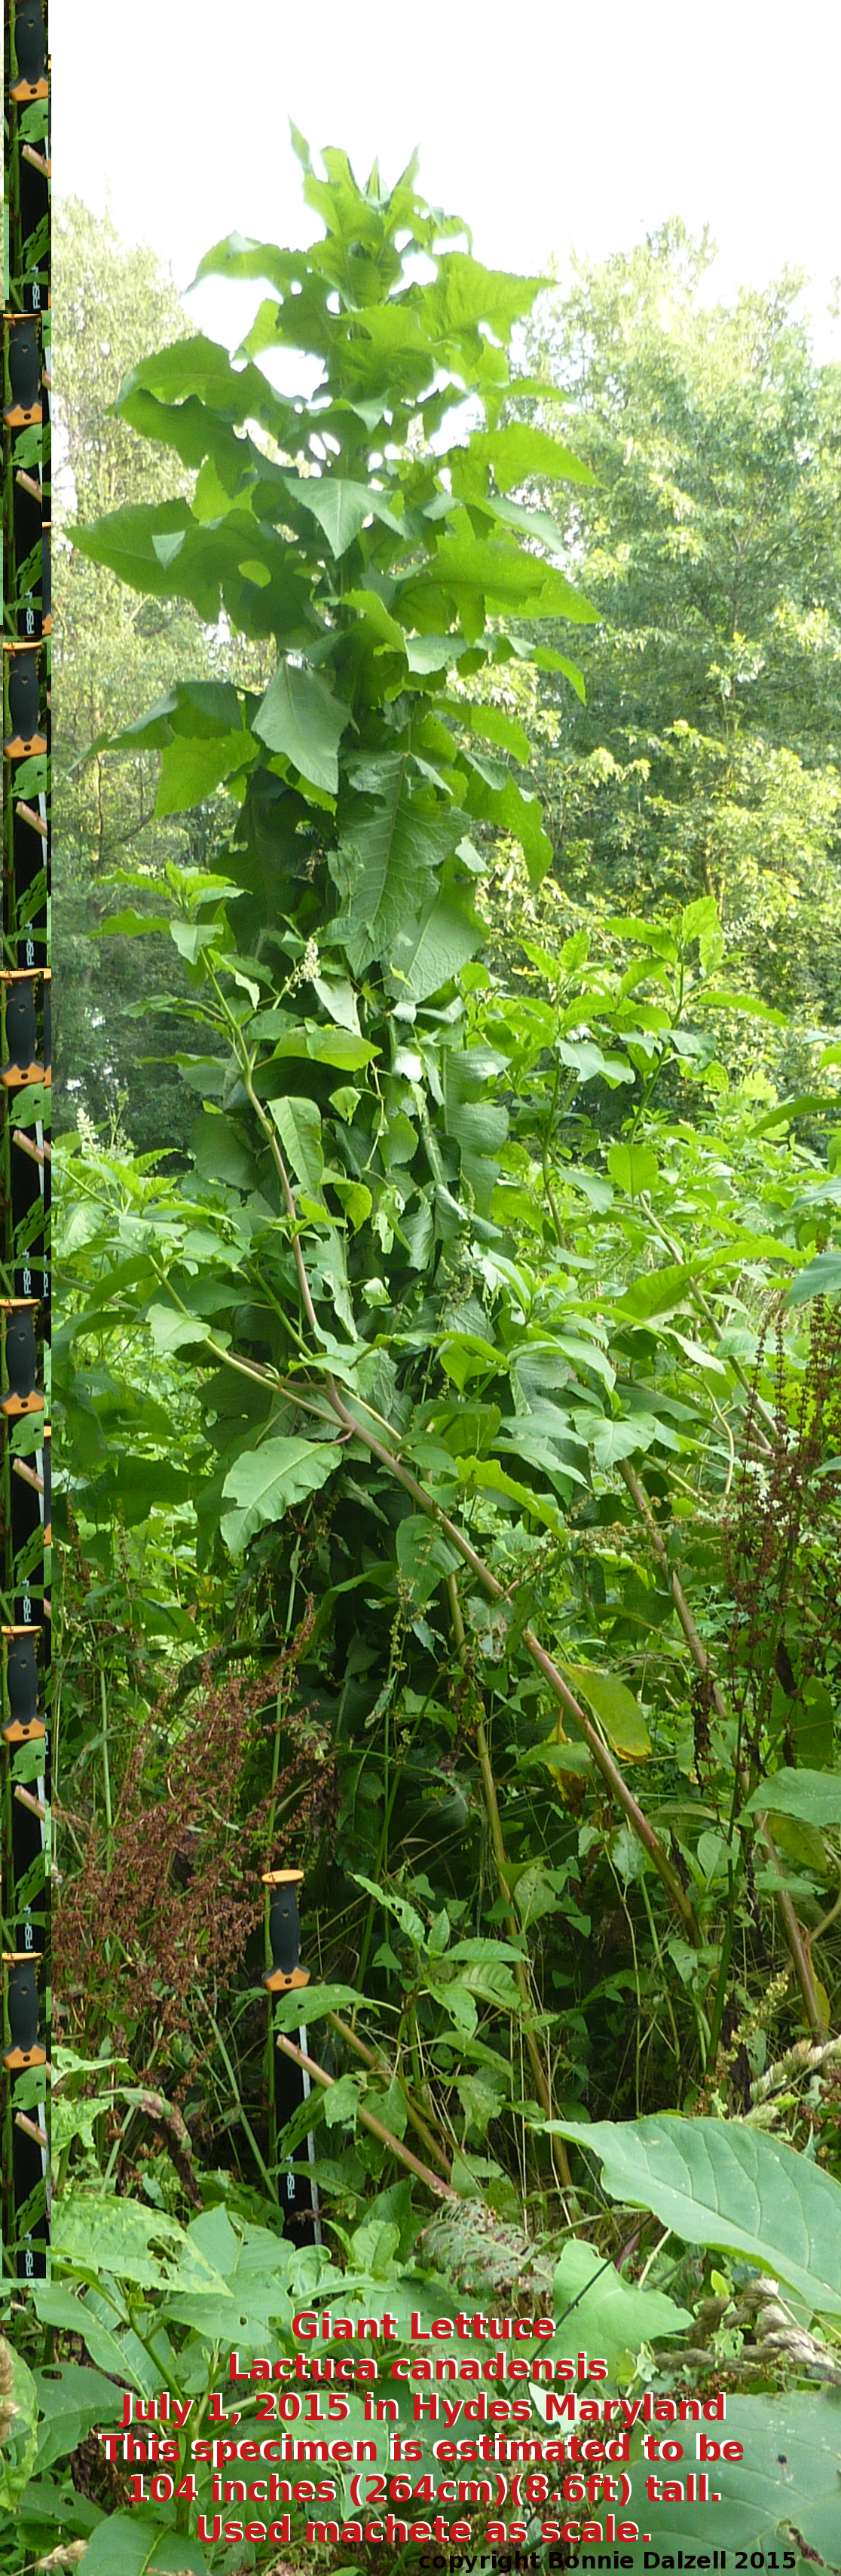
(450, 1028)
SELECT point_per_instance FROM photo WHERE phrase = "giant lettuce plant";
(386, 1375)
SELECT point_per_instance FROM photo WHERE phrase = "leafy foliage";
(706, 759)
(480, 1364)
(718, 2184)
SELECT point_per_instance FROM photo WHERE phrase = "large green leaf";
(264, 1482)
(502, 573)
(494, 797)
(202, 368)
(74, 2311)
(494, 725)
(310, 2003)
(94, 2232)
(821, 1278)
(343, 1048)
(262, 2275)
(298, 1124)
(612, 1440)
(814, 1797)
(72, 2398)
(340, 506)
(385, 869)
(300, 717)
(161, 548)
(520, 454)
(612, 2316)
(191, 770)
(485, 1475)
(633, 1167)
(124, 541)
(173, 1332)
(784, 2493)
(657, 1292)
(127, 2544)
(719, 2183)
(426, 953)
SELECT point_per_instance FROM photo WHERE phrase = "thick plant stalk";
(374, 2063)
(559, 2155)
(31, 2131)
(442, 2190)
(611, 1774)
(797, 1945)
(553, 1678)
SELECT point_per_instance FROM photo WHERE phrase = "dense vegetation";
(451, 1413)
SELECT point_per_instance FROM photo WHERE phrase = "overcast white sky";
(543, 126)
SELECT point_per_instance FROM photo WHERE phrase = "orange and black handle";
(22, 2001)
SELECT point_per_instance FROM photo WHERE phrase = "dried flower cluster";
(163, 1905)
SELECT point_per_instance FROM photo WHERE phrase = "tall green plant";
(410, 1413)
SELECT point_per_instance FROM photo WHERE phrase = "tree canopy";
(706, 759)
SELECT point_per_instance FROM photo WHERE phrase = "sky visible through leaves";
(546, 127)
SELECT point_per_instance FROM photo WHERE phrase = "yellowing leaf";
(616, 1709)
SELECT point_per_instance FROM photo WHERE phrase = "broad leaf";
(126, 2544)
(190, 771)
(429, 952)
(612, 2316)
(174, 1332)
(611, 1441)
(75, 2312)
(94, 2232)
(385, 866)
(300, 717)
(821, 1278)
(616, 1709)
(633, 1168)
(521, 454)
(487, 1476)
(299, 1127)
(718, 2183)
(657, 1293)
(814, 1797)
(340, 506)
(782, 2495)
(310, 2003)
(265, 1482)
(72, 2398)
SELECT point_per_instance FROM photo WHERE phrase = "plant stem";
(370, 2059)
(560, 2159)
(704, 1308)
(794, 1936)
(554, 1679)
(442, 2190)
(245, 2123)
(661, 1965)
(609, 1769)
(106, 1766)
